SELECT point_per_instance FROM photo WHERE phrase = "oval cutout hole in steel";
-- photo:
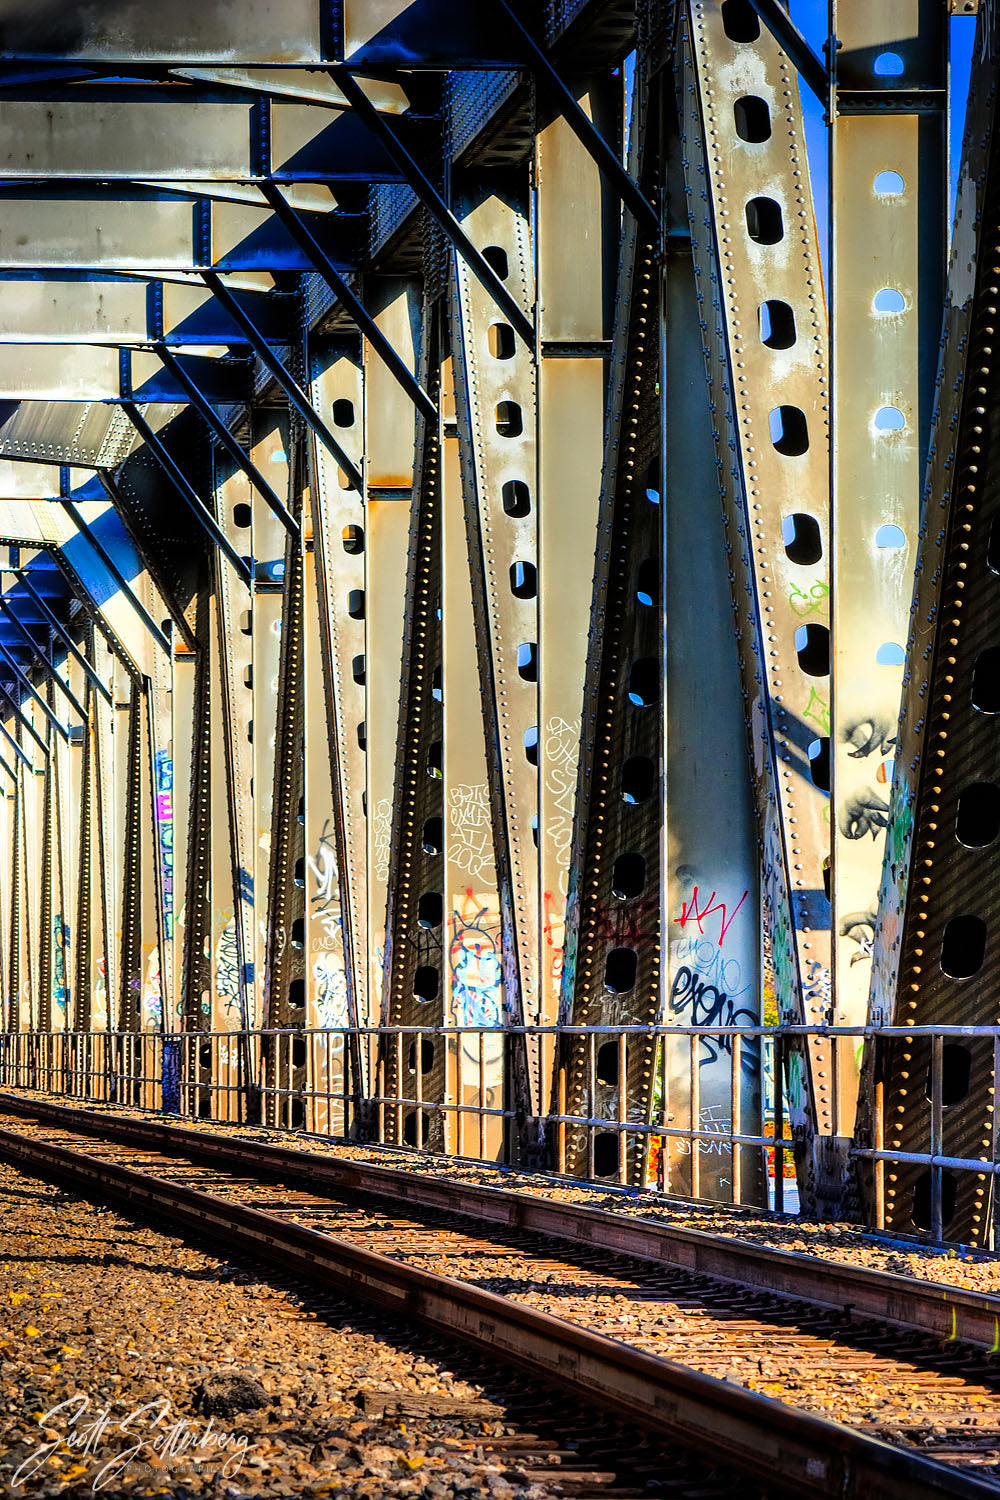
(430, 910)
(343, 412)
(812, 647)
(887, 300)
(426, 982)
(956, 1074)
(802, 538)
(890, 536)
(986, 681)
(298, 1052)
(496, 258)
(963, 947)
(296, 994)
(620, 969)
(977, 821)
(993, 546)
(527, 661)
(432, 838)
(523, 580)
(644, 682)
(435, 762)
(789, 430)
(606, 1063)
(356, 604)
(921, 1211)
(638, 779)
(298, 932)
(500, 338)
(242, 515)
(531, 745)
(752, 119)
(415, 1127)
(516, 498)
(358, 668)
(740, 21)
(628, 878)
(606, 1154)
(509, 421)
(363, 735)
(647, 583)
(776, 324)
(353, 539)
(423, 1047)
(890, 654)
(889, 419)
(437, 691)
(295, 1114)
(765, 225)
(819, 762)
(888, 65)
(888, 184)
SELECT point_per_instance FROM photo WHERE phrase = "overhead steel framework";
(461, 533)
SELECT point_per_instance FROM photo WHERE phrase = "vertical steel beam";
(497, 424)
(763, 329)
(888, 162)
(472, 977)
(935, 953)
(337, 380)
(389, 480)
(572, 288)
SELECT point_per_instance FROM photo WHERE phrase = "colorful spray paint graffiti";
(60, 955)
(475, 961)
(712, 978)
(327, 933)
(227, 977)
(152, 996)
(165, 831)
(561, 749)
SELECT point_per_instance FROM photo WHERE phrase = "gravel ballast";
(181, 1373)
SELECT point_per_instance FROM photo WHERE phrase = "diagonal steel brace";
(226, 440)
(288, 384)
(436, 206)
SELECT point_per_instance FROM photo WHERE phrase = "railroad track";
(677, 1330)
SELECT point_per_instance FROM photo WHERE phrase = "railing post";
(937, 1124)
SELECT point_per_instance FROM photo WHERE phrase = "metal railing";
(719, 1128)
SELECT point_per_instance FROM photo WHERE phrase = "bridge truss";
(459, 537)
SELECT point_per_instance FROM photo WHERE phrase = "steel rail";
(806, 1454)
(944, 1312)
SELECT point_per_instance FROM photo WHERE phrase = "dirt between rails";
(133, 1364)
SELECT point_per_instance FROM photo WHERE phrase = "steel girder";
(934, 956)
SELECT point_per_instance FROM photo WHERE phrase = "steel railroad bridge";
(463, 683)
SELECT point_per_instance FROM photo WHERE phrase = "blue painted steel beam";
(22, 577)
(27, 684)
(40, 656)
(109, 563)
